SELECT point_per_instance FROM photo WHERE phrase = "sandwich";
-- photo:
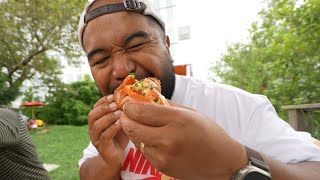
(144, 90)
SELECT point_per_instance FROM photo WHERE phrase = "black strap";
(256, 159)
(127, 5)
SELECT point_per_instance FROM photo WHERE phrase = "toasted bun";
(145, 90)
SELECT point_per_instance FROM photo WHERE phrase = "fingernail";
(110, 97)
(117, 112)
(126, 105)
(117, 122)
(112, 105)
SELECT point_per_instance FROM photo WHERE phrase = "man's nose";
(122, 66)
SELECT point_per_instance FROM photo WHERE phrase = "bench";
(300, 116)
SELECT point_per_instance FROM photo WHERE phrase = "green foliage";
(31, 32)
(69, 104)
(30, 95)
(75, 112)
(7, 92)
(282, 60)
(316, 125)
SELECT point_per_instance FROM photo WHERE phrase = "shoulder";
(189, 87)
(9, 127)
(8, 114)
(9, 117)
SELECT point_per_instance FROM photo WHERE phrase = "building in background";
(200, 32)
(180, 34)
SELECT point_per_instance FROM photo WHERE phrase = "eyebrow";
(135, 35)
(94, 52)
(129, 38)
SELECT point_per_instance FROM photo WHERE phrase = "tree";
(7, 93)
(31, 31)
(282, 59)
(69, 103)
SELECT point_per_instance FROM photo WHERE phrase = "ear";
(168, 47)
(168, 41)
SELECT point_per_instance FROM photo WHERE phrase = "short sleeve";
(89, 152)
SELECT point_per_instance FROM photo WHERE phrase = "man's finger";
(151, 153)
(151, 114)
(103, 123)
(100, 111)
(106, 138)
(138, 132)
(105, 99)
(122, 138)
(173, 104)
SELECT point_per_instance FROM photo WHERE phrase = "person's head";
(125, 41)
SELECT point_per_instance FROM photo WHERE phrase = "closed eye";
(135, 46)
(101, 61)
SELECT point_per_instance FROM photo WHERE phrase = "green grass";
(62, 145)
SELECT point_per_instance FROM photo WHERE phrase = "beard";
(166, 75)
(167, 80)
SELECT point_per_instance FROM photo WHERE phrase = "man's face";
(123, 42)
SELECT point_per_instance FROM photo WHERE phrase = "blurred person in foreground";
(210, 131)
(18, 156)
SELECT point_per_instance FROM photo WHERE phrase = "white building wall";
(213, 25)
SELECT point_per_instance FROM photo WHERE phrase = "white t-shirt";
(248, 118)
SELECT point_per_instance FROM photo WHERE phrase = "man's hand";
(108, 138)
(182, 143)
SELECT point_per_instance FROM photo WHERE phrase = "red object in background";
(33, 103)
(183, 69)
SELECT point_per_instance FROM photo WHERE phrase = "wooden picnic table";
(300, 116)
